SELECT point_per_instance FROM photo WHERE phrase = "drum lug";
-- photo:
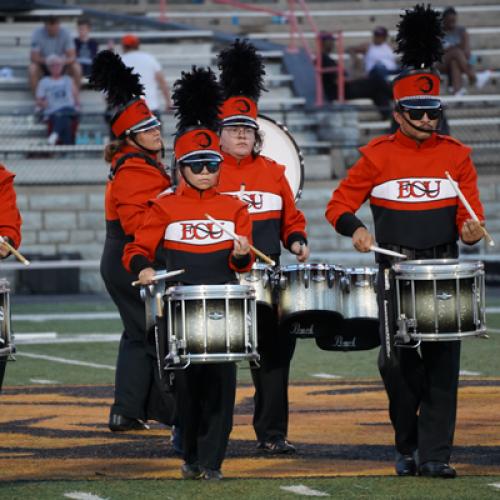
(307, 278)
(282, 281)
(345, 285)
(402, 336)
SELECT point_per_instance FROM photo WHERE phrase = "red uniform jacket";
(10, 218)
(270, 201)
(132, 184)
(412, 201)
(190, 241)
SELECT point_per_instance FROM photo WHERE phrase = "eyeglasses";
(418, 114)
(235, 131)
(198, 166)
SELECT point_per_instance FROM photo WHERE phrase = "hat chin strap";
(420, 129)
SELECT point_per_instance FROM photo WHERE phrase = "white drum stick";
(257, 252)
(374, 248)
(160, 277)
(469, 209)
(20, 257)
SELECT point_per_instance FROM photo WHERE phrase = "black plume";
(198, 97)
(419, 38)
(242, 70)
(110, 74)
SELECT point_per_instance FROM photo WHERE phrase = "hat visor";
(201, 156)
(420, 103)
(147, 124)
(240, 121)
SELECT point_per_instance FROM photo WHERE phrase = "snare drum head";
(281, 147)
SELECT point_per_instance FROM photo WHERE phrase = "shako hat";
(197, 97)
(419, 41)
(241, 77)
(124, 93)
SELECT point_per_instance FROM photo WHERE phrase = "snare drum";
(359, 297)
(260, 277)
(7, 347)
(439, 300)
(210, 324)
(310, 298)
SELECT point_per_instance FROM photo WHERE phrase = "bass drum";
(281, 147)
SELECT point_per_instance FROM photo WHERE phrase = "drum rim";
(311, 266)
(281, 126)
(437, 267)
(228, 291)
(361, 270)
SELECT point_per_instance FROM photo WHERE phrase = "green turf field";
(477, 356)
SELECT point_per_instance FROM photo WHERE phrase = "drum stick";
(469, 209)
(18, 255)
(257, 252)
(160, 277)
(242, 191)
(387, 252)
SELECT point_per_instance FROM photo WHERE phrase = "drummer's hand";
(472, 231)
(4, 249)
(146, 276)
(362, 240)
(301, 250)
(241, 246)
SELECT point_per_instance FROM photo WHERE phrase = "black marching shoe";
(437, 469)
(405, 465)
(191, 471)
(211, 474)
(120, 423)
(279, 446)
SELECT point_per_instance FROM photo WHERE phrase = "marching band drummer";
(417, 213)
(136, 175)
(205, 393)
(10, 227)
(262, 184)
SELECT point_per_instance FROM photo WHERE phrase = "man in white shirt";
(150, 72)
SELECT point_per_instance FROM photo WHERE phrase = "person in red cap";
(262, 184)
(136, 175)
(10, 228)
(417, 213)
(205, 393)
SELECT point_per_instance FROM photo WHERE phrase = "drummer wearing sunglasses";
(417, 213)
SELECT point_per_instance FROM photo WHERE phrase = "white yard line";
(64, 361)
(329, 376)
(43, 381)
(300, 489)
(495, 485)
(81, 338)
(468, 373)
(493, 310)
(82, 495)
(66, 316)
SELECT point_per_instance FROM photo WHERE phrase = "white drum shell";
(359, 297)
(260, 278)
(211, 324)
(307, 287)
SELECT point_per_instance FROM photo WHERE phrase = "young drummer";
(262, 184)
(205, 392)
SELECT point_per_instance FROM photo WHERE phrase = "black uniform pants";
(3, 363)
(421, 385)
(270, 420)
(205, 395)
(136, 393)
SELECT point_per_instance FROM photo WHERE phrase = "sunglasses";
(198, 166)
(418, 114)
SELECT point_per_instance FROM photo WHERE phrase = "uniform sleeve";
(140, 253)
(293, 223)
(243, 227)
(467, 181)
(351, 193)
(132, 188)
(10, 218)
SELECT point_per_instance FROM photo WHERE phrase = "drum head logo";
(243, 105)
(216, 315)
(425, 84)
(203, 139)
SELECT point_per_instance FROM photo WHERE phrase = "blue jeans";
(62, 122)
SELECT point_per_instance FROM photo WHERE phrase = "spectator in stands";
(373, 86)
(52, 39)
(379, 57)
(150, 72)
(58, 98)
(86, 47)
(457, 55)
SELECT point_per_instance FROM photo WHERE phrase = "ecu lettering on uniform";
(414, 190)
(260, 201)
(198, 232)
